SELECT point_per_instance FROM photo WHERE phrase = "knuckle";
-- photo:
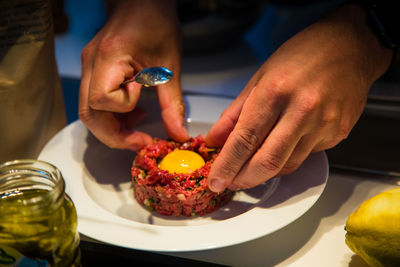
(279, 80)
(84, 115)
(289, 167)
(270, 164)
(99, 100)
(108, 44)
(329, 118)
(228, 169)
(309, 103)
(246, 141)
(96, 100)
(181, 107)
(86, 53)
(278, 90)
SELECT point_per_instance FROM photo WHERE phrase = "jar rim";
(17, 174)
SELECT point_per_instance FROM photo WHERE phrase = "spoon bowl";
(151, 76)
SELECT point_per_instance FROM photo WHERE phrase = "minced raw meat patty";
(175, 194)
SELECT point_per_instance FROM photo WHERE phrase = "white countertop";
(315, 239)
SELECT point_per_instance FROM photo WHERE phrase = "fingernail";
(217, 185)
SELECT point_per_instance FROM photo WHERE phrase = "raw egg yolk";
(181, 161)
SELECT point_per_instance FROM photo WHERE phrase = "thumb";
(220, 131)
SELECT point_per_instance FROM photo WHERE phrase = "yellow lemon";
(181, 161)
(373, 230)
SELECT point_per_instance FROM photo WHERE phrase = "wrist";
(382, 18)
(375, 55)
(121, 5)
(147, 21)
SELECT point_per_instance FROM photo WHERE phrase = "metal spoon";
(151, 76)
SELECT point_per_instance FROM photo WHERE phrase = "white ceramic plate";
(98, 181)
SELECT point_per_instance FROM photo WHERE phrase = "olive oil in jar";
(37, 218)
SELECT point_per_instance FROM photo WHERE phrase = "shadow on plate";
(107, 180)
(289, 187)
(106, 165)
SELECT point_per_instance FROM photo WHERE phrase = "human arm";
(306, 97)
(138, 34)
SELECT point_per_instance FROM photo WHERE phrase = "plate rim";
(87, 228)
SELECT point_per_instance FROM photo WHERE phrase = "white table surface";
(315, 239)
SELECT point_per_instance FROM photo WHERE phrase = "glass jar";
(37, 218)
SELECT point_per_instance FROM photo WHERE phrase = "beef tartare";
(176, 193)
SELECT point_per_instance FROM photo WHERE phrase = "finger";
(220, 131)
(108, 129)
(336, 132)
(259, 176)
(173, 109)
(87, 66)
(269, 159)
(105, 91)
(299, 154)
(258, 116)
(283, 150)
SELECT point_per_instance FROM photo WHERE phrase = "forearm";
(149, 26)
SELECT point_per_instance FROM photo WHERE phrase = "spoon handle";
(132, 80)
(127, 81)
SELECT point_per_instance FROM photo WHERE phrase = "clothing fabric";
(31, 102)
